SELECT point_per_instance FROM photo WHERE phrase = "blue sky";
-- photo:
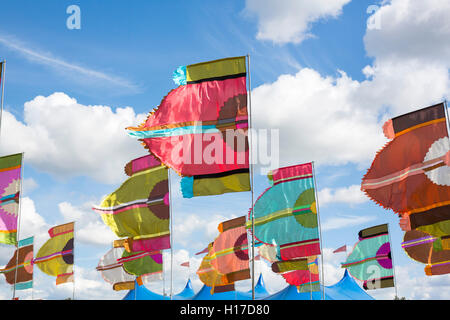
(320, 76)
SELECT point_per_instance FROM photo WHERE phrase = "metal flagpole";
(320, 231)
(446, 115)
(3, 91)
(251, 173)
(73, 267)
(310, 285)
(18, 224)
(32, 284)
(171, 238)
(393, 265)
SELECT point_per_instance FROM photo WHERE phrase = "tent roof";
(345, 289)
(260, 289)
(187, 293)
(205, 294)
(142, 293)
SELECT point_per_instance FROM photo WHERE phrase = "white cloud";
(350, 195)
(345, 221)
(31, 222)
(290, 20)
(66, 139)
(195, 231)
(335, 120)
(318, 118)
(409, 29)
(29, 184)
(89, 227)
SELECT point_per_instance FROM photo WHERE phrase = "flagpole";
(73, 266)
(171, 234)
(393, 264)
(18, 222)
(3, 91)
(448, 119)
(251, 173)
(320, 231)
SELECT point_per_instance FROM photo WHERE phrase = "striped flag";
(19, 270)
(10, 180)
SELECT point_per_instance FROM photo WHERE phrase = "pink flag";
(185, 264)
(341, 249)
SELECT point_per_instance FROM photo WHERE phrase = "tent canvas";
(345, 289)
(187, 293)
(142, 293)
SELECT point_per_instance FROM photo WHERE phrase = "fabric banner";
(139, 208)
(306, 279)
(19, 269)
(10, 181)
(212, 278)
(429, 250)
(229, 252)
(411, 175)
(200, 128)
(55, 257)
(413, 164)
(112, 271)
(370, 259)
(285, 214)
(143, 263)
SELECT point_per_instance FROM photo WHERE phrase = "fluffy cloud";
(409, 29)
(335, 120)
(65, 138)
(88, 224)
(344, 221)
(31, 222)
(290, 20)
(350, 195)
(318, 118)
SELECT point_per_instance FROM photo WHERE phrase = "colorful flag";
(370, 260)
(306, 279)
(229, 252)
(411, 174)
(139, 208)
(19, 270)
(143, 263)
(10, 180)
(212, 278)
(200, 128)
(413, 165)
(55, 257)
(227, 260)
(429, 250)
(112, 271)
(341, 249)
(285, 214)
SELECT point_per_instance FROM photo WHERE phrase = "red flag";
(185, 264)
(341, 249)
